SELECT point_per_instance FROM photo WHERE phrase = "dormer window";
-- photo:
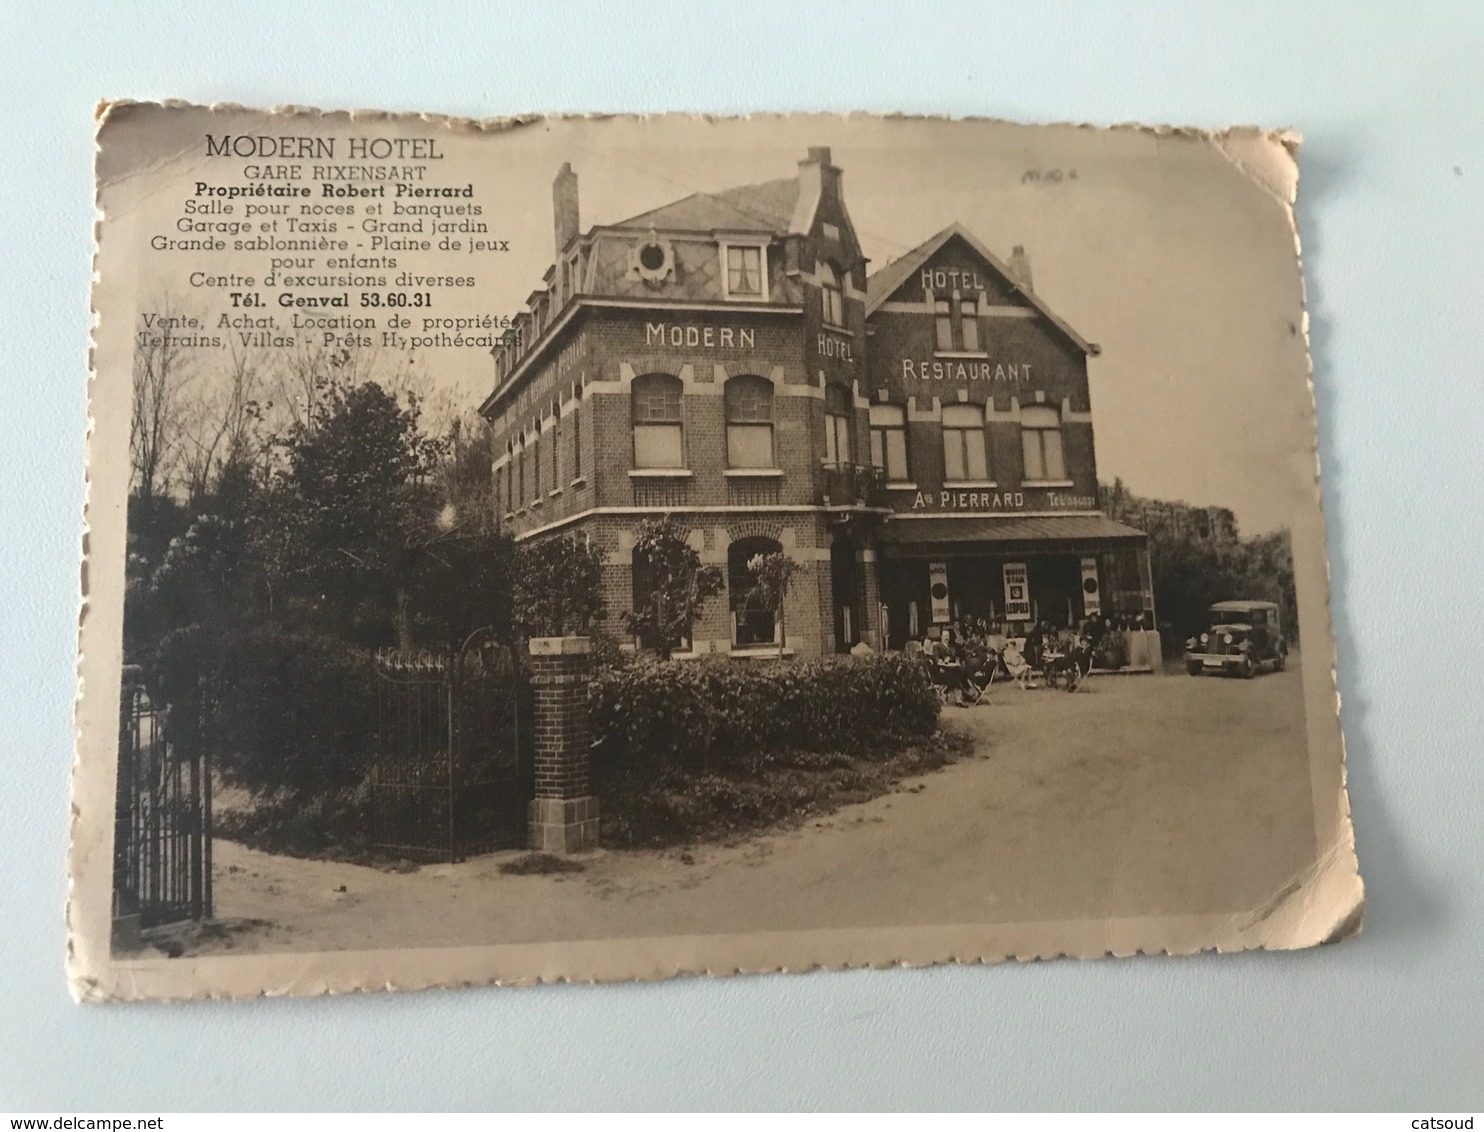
(746, 276)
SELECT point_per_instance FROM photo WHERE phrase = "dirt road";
(1138, 796)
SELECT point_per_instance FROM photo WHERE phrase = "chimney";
(818, 181)
(1020, 267)
(564, 206)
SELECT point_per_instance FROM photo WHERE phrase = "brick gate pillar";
(563, 817)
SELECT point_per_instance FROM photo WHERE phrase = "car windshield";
(1234, 616)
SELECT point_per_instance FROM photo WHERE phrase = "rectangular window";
(889, 440)
(574, 276)
(943, 324)
(968, 318)
(1040, 440)
(657, 446)
(1056, 468)
(1035, 459)
(576, 440)
(838, 406)
(836, 439)
(963, 444)
(556, 453)
(536, 467)
(744, 272)
(749, 446)
(522, 459)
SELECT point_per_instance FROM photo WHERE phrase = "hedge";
(650, 717)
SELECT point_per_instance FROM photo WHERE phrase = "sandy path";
(1137, 797)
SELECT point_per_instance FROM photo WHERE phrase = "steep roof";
(881, 285)
(765, 207)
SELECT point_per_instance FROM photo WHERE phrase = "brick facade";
(668, 293)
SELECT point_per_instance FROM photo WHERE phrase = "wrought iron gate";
(162, 812)
(451, 777)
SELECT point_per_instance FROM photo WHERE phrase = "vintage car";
(1244, 637)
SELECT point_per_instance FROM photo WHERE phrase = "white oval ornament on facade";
(652, 259)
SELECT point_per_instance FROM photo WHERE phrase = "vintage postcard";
(586, 549)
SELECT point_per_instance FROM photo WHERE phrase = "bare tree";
(162, 370)
(221, 425)
(303, 376)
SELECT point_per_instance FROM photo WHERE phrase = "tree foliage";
(772, 577)
(558, 587)
(1198, 557)
(672, 585)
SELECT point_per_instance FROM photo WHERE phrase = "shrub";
(652, 719)
(289, 711)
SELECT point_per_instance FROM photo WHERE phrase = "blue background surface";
(1389, 98)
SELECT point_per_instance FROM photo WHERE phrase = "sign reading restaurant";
(948, 370)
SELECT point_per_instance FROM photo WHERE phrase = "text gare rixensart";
(339, 242)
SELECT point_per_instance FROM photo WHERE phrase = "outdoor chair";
(949, 677)
(981, 681)
(1017, 666)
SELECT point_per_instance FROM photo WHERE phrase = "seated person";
(947, 670)
(1016, 664)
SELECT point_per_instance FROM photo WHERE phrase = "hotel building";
(919, 439)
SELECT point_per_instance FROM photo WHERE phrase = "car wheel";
(1247, 669)
(1281, 662)
(1193, 667)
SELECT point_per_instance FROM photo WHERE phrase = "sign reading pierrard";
(466, 539)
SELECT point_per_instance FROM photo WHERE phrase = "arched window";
(749, 406)
(658, 442)
(838, 403)
(752, 622)
(832, 302)
(963, 444)
(889, 441)
(645, 587)
(1040, 440)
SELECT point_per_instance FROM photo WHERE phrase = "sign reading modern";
(706, 337)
